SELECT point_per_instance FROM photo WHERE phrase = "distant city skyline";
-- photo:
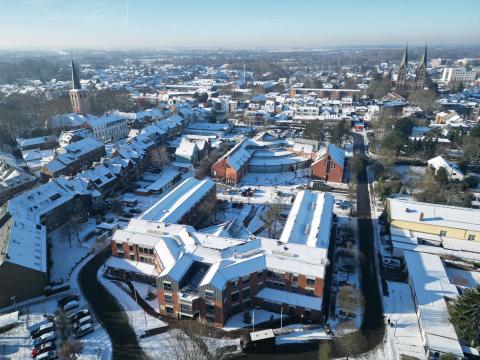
(117, 24)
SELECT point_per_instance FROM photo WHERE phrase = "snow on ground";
(143, 289)
(16, 343)
(235, 322)
(162, 346)
(299, 335)
(403, 337)
(298, 177)
(68, 249)
(465, 278)
(410, 173)
(138, 319)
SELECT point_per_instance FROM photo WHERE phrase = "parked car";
(50, 336)
(42, 329)
(49, 355)
(78, 315)
(85, 320)
(67, 299)
(84, 330)
(70, 305)
(50, 345)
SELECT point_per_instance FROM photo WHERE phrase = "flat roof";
(431, 286)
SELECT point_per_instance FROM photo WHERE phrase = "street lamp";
(13, 299)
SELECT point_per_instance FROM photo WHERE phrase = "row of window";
(471, 237)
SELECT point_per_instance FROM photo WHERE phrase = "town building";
(232, 166)
(431, 289)
(107, 128)
(41, 143)
(74, 158)
(329, 164)
(458, 75)
(403, 83)
(453, 170)
(13, 180)
(71, 136)
(192, 148)
(79, 97)
(188, 203)
(210, 277)
(420, 223)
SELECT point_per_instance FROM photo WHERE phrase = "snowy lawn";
(67, 250)
(235, 322)
(143, 289)
(138, 319)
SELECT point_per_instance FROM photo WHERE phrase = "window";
(235, 296)
(132, 257)
(167, 285)
(260, 275)
(140, 250)
(209, 295)
(471, 237)
(150, 251)
(245, 279)
(168, 298)
(210, 308)
(443, 233)
(130, 247)
(294, 289)
(142, 259)
(185, 308)
(234, 284)
(309, 292)
(294, 278)
(119, 246)
(169, 309)
(246, 292)
(310, 281)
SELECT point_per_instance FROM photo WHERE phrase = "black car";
(67, 299)
(78, 315)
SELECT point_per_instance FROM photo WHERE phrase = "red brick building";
(232, 166)
(330, 164)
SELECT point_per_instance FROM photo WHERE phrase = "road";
(124, 341)
(373, 324)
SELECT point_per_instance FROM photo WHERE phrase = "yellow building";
(423, 223)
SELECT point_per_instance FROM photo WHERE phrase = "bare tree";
(62, 322)
(272, 218)
(70, 349)
(160, 156)
(351, 342)
(349, 298)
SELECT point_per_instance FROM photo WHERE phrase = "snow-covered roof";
(186, 148)
(178, 202)
(431, 285)
(310, 220)
(403, 209)
(337, 154)
(106, 120)
(27, 244)
(165, 178)
(13, 176)
(285, 297)
(439, 161)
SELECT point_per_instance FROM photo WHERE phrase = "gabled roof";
(337, 154)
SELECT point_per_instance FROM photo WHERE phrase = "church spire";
(423, 58)
(75, 79)
(405, 57)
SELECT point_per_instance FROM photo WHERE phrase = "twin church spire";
(403, 84)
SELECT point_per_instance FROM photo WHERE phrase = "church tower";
(78, 96)
(401, 83)
(421, 72)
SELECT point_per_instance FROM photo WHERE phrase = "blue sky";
(55, 24)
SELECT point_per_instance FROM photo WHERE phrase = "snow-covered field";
(286, 178)
(465, 278)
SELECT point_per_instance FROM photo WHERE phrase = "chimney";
(421, 216)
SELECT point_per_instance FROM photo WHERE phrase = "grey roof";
(75, 78)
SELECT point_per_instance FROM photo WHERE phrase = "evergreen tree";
(465, 315)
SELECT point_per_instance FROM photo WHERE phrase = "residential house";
(330, 164)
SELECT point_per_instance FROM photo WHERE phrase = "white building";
(451, 75)
(108, 128)
(453, 171)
